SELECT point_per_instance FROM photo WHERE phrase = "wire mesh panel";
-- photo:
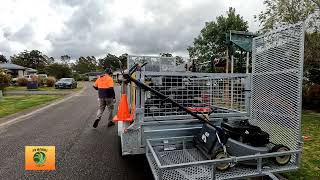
(154, 63)
(276, 84)
(198, 92)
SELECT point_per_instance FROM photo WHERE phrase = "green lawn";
(310, 168)
(12, 104)
(23, 88)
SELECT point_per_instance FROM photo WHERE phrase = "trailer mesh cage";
(198, 92)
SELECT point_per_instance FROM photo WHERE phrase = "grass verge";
(310, 167)
(13, 104)
(23, 88)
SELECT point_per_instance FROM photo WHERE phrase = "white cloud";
(97, 27)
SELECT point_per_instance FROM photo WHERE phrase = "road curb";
(25, 115)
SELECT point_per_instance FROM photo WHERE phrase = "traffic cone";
(123, 110)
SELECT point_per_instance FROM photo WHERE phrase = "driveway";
(81, 151)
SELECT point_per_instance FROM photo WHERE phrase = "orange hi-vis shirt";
(104, 85)
(104, 82)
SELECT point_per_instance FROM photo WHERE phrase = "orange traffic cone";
(123, 110)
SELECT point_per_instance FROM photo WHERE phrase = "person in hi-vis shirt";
(105, 86)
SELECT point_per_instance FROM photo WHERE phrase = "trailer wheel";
(281, 160)
(219, 154)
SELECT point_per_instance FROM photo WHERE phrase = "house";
(30, 71)
(13, 69)
(16, 70)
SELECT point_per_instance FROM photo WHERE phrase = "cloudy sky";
(96, 27)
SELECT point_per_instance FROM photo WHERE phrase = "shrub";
(85, 78)
(4, 79)
(22, 81)
(51, 81)
(77, 77)
(311, 96)
(41, 81)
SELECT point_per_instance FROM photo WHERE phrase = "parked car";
(66, 83)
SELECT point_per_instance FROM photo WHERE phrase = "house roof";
(10, 66)
(31, 70)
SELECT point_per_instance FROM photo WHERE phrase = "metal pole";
(227, 61)
(247, 64)
(231, 93)
(213, 174)
(247, 89)
(272, 176)
(232, 62)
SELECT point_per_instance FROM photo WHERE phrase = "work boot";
(111, 123)
(96, 122)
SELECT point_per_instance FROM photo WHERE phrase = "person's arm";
(95, 86)
(112, 85)
(113, 95)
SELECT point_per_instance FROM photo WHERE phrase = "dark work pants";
(103, 103)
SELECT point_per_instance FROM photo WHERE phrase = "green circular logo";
(39, 158)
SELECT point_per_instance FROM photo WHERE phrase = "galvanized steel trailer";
(270, 97)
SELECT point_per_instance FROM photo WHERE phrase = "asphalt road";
(81, 151)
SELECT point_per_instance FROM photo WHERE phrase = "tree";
(166, 55)
(65, 59)
(3, 59)
(317, 2)
(179, 60)
(50, 60)
(312, 57)
(58, 70)
(5, 79)
(110, 61)
(32, 59)
(211, 40)
(281, 12)
(124, 58)
(84, 65)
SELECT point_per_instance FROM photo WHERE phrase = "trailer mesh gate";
(200, 91)
(276, 84)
